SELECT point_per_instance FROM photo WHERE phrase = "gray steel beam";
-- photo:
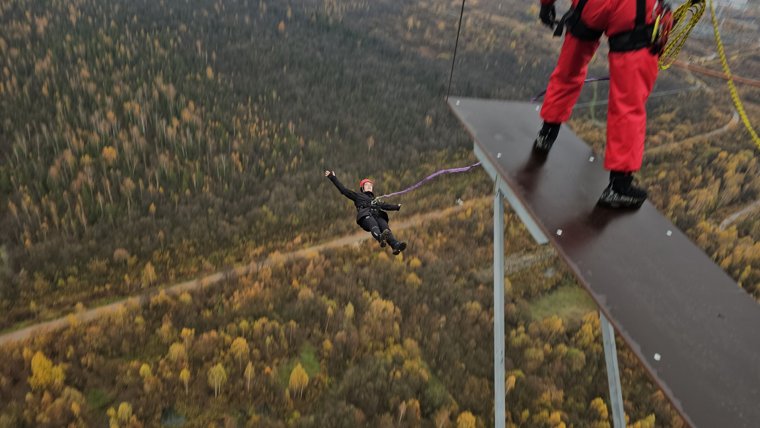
(498, 311)
(613, 372)
(514, 202)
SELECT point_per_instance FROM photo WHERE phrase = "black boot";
(546, 137)
(379, 237)
(398, 246)
(621, 193)
(386, 236)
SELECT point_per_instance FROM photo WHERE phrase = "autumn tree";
(248, 374)
(299, 379)
(177, 353)
(466, 420)
(598, 415)
(217, 377)
(45, 374)
(149, 276)
(239, 350)
(150, 382)
(184, 376)
(187, 335)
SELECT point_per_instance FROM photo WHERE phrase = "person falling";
(370, 212)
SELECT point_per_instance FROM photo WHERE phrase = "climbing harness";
(575, 26)
(644, 35)
(430, 177)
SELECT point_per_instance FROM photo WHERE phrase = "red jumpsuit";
(632, 76)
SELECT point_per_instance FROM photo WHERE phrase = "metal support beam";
(498, 310)
(514, 202)
(608, 333)
(613, 372)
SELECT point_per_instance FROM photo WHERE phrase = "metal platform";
(695, 331)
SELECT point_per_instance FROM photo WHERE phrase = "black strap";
(575, 25)
(641, 11)
(583, 32)
(639, 37)
(580, 6)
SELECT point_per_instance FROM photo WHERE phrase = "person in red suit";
(629, 25)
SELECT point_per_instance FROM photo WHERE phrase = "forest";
(143, 143)
(351, 337)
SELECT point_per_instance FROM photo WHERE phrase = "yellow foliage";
(555, 418)
(45, 374)
(217, 377)
(299, 379)
(327, 347)
(599, 408)
(209, 72)
(511, 380)
(109, 154)
(124, 414)
(145, 371)
(184, 376)
(148, 275)
(552, 326)
(239, 349)
(466, 420)
(187, 335)
(185, 298)
(413, 280)
(648, 422)
(349, 311)
(177, 353)
(415, 263)
(76, 409)
(72, 320)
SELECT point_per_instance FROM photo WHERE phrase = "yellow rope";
(685, 18)
(731, 87)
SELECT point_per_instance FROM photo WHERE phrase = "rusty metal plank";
(693, 329)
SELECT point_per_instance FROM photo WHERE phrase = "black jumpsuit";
(370, 214)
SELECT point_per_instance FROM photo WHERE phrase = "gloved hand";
(548, 14)
(329, 173)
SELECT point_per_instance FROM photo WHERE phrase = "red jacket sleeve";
(543, 2)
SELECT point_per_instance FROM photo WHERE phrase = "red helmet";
(363, 182)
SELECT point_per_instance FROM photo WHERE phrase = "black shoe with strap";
(621, 193)
(398, 247)
(545, 139)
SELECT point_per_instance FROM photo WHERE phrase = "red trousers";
(632, 76)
